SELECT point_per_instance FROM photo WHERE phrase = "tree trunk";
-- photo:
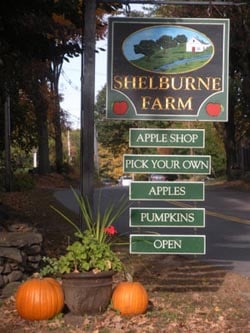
(229, 140)
(43, 141)
(7, 144)
(87, 103)
(56, 70)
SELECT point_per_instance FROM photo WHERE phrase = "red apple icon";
(213, 109)
(120, 107)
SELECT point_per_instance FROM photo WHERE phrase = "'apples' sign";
(168, 69)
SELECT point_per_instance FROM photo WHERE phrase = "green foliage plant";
(23, 181)
(92, 249)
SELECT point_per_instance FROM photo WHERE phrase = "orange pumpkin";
(39, 299)
(130, 298)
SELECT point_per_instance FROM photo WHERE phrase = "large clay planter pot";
(87, 292)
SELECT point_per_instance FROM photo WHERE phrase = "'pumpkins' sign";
(168, 69)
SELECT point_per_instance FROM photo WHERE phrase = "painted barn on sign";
(196, 45)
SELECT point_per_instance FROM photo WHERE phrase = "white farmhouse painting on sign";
(196, 45)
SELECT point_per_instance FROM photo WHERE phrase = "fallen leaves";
(169, 312)
(186, 296)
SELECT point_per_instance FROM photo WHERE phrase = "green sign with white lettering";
(177, 244)
(167, 164)
(166, 137)
(167, 217)
(166, 191)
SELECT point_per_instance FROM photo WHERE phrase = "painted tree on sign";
(146, 47)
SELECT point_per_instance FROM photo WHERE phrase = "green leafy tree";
(48, 33)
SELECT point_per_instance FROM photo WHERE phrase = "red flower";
(110, 230)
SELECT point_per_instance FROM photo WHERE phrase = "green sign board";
(177, 244)
(168, 69)
(166, 137)
(181, 191)
(167, 217)
(167, 164)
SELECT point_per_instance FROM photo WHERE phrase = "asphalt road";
(227, 222)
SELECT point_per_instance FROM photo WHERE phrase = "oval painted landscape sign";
(168, 49)
(168, 69)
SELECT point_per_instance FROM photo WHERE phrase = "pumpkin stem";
(36, 275)
(128, 276)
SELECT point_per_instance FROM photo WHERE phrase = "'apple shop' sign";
(168, 69)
